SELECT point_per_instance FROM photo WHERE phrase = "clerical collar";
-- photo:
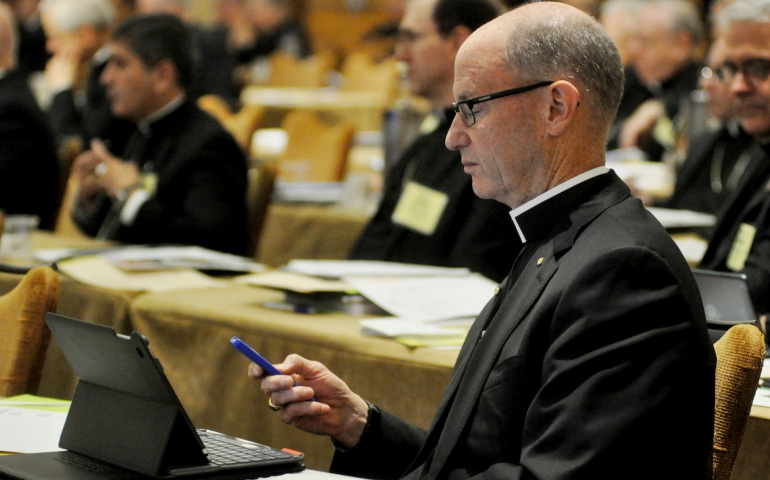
(144, 124)
(528, 226)
(3, 71)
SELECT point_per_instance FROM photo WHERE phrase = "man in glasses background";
(592, 359)
(741, 238)
(428, 213)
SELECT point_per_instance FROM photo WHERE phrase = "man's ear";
(165, 75)
(458, 35)
(563, 101)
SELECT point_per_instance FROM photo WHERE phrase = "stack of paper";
(31, 424)
(351, 268)
(99, 272)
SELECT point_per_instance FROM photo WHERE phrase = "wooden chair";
(740, 353)
(289, 71)
(316, 151)
(241, 124)
(260, 189)
(24, 335)
(65, 225)
(361, 73)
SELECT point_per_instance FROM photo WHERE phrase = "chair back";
(65, 225)
(361, 73)
(241, 125)
(260, 189)
(316, 151)
(740, 353)
(24, 336)
(289, 71)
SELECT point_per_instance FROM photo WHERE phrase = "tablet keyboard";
(225, 450)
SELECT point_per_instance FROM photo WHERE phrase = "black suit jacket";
(201, 186)
(722, 155)
(749, 204)
(472, 232)
(596, 364)
(28, 165)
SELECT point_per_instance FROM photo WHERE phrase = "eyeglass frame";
(492, 96)
(722, 71)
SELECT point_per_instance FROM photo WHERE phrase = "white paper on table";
(394, 327)
(30, 431)
(692, 248)
(762, 397)
(159, 258)
(293, 282)
(370, 268)
(427, 298)
(671, 218)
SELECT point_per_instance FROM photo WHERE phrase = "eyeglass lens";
(756, 70)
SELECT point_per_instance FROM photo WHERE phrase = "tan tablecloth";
(189, 333)
(308, 231)
(104, 307)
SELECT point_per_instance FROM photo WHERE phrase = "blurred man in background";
(458, 229)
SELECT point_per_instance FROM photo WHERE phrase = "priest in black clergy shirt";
(740, 241)
(592, 359)
(181, 178)
(429, 213)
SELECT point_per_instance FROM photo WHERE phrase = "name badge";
(419, 208)
(150, 182)
(741, 247)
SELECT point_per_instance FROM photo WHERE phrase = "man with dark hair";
(592, 360)
(181, 178)
(457, 229)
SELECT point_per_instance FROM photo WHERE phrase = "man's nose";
(457, 137)
(740, 84)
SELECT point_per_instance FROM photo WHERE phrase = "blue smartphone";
(252, 355)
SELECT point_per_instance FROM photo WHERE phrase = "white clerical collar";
(144, 124)
(562, 187)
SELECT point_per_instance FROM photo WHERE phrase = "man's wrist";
(370, 428)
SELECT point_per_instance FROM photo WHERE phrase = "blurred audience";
(259, 28)
(181, 178)
(618, 17)
(28, 164)
(32, 54)
(664, 46)
(457, 229)
(718, 159)
(741, 238)
(215, 64)
(77, 31)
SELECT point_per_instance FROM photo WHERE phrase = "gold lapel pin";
(497, 290)
(540, 261)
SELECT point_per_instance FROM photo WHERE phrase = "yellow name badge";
(741, 247)
(420, 208)
(150, 182)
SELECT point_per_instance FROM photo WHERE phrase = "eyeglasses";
(755, 70)
(465, 107)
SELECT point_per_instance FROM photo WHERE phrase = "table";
(308, 231)
(363, 108)
(101, 306)
(189, 333)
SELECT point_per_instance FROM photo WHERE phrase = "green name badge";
(741, 247)
(420, 208)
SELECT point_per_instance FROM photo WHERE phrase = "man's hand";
(337, 411)
(99, 171)
(638, 127)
